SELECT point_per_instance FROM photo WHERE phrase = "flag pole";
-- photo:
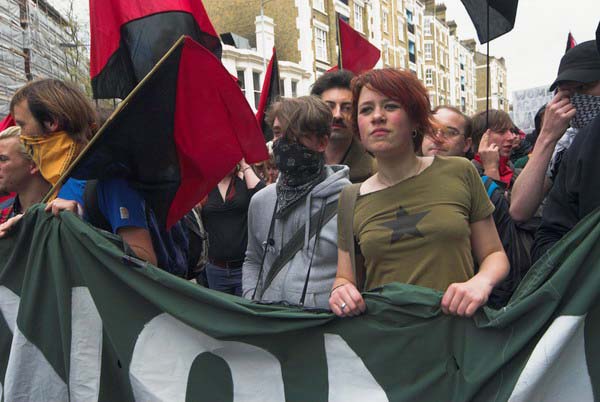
(111, 118)
(487, 87)
(339, 42)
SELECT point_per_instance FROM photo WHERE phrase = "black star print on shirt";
(404, 224)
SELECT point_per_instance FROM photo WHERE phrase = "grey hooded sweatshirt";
(288, 284)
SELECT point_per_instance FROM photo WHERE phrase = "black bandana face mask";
(297, 163)
(587, 107)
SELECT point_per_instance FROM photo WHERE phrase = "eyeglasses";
(448, 132)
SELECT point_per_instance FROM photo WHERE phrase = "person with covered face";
(574, 106)
(576, 191)
(418, 220)
(292, 227)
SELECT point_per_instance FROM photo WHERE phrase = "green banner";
(83, 321)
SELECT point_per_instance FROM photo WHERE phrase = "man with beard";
(344, 148)
(574, 106)
(292, 224)
(576, 192)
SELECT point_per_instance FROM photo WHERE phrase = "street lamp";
(262, 21)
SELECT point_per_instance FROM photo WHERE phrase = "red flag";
(178, 134)
(570, 42)
(7, 122)
(270, 92)
(357, 53)
(129, 37)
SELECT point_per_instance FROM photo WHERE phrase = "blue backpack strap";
(490, 185)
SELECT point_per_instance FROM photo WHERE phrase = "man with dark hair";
(56, 121)
(344, 148)
(292, 224)
(454, 134)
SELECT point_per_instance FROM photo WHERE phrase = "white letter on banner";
(349, 378)
(9, 306)
(86, 347)
(557, 368)
(29, 376)
(166, 349)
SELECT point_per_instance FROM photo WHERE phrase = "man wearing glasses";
(454, 135)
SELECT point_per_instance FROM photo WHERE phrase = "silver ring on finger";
(343, 306)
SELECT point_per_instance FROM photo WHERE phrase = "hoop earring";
(414, 134)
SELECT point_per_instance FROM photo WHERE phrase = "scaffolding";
(36, 41)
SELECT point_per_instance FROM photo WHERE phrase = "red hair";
(403, 87)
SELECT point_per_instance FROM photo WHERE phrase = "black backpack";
(182, 250)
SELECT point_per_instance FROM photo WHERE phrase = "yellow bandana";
(51, 153)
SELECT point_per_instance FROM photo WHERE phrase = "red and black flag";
(270, 92)
(129, 37)
(357, 54)
(179, 132)
(6, 122)
(570, 42)
(497, 16)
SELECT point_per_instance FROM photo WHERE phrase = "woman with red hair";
(419, 220)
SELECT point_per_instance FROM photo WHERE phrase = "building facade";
(411, 34)
(498, 93)
(462, 74)
(36, 41)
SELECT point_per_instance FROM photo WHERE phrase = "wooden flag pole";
(102, 129)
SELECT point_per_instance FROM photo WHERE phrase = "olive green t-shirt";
(418, 231)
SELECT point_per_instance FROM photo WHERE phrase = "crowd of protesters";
(365, 185)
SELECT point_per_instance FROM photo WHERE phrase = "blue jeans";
(224, 280)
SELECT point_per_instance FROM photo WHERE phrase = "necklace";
(393, 183)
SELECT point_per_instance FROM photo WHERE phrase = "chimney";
(265, 35)
(452, 27)
(440, 12)
(469, 44)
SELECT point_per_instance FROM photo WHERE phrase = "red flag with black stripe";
(177, 134)
(128, 37)
(570, 42)
(7, 122)
(270, 92)
(357, 53)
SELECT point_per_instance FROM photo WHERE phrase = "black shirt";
(576, 191)
(226, 222)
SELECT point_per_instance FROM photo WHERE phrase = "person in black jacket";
(576, 191)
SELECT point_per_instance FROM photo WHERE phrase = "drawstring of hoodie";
(312, 255)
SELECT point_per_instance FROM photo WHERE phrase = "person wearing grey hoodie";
(292, 224)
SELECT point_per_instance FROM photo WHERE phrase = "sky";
(532, 50)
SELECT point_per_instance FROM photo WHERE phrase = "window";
(428, 53)
(462, 83)
(241, 80)
(384, 20)
(282, 87)
(358, 17)
(400, 28)
(294, 88)
(321, 44)
(463, 104)
(429, 77)
(427, 27)
(385, 53)
(411, 52)
(409, 21)
(256, 81)
(319, 5)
